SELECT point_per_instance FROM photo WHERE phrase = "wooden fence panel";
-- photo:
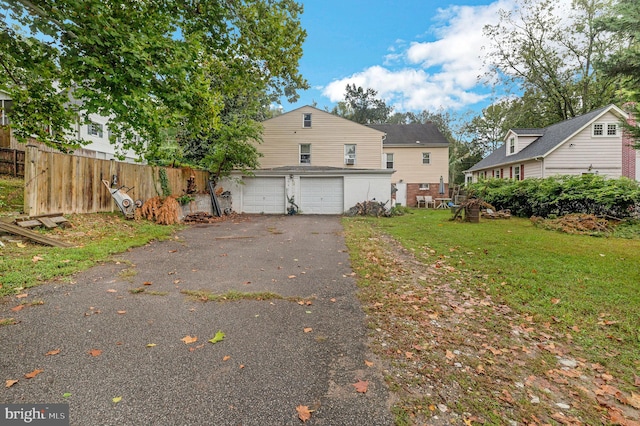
(11, 162)
(62, 183)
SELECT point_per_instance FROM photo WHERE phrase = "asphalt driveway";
(276, 355)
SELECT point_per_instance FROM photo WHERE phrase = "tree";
(550, 54)
(624, 65)
(147, 65)
(362, 106)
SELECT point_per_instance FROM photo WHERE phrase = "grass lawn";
(11, 194)
(578, 293)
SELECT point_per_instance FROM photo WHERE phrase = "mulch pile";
(575, 224)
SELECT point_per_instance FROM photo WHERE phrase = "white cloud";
(434, 74)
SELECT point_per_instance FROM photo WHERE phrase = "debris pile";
(164, 211)
(200, 217)
(584, 224)
(369, 208)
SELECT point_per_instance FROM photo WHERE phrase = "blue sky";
(417, 54)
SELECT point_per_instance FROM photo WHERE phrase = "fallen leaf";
(66, 395)
(409, 355)
(33, 374)
(116, 399)
(634, 401)
(22, 296)
(291, 276)
(450, 355)
(226, 358)
(361, 386)
(333, 299)
(304, 413)
(147, 283)
(53, 352)
(36, 259)
(10, 383)
(21, 245)
(219, 337)
(151, 345)
(241, 366)
(308, 329)
(122, 312)
(17, 308)
(480, 369)
(189, 339)
(555, 301)
(172, 251)
(95, 352)
(368, 363)
(112, 291)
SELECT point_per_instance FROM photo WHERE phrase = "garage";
(321, 195)
(263, 195)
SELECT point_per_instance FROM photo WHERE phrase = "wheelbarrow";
(125, 203)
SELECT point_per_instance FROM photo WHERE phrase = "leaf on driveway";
(226, 358)
(95, 352)
(17, 308)
(33, 374)
(291, 276)
(151, 345)
(304, 413)
(116, 399)
(53, 352)
(368, 363)
(219, 337)
(147, 283)
(121, 312)
(361, 386)
(10, 383)
(111, 290)
(22, 296)
(189, 339)
(307, 329)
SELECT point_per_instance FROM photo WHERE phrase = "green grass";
(11, 194)
(97, 237)
(566, 280)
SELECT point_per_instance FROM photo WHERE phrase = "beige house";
(419, 154)
(590, 143)
(319, 162)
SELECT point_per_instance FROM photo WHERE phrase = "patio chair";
(420, 200)
(429, 201)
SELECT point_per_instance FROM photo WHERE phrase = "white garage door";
(263, 195)
(321, 195)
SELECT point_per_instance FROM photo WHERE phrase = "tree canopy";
(147, 65)
(362, 106)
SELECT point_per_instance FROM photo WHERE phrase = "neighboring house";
(323, 163)
(420, 155)
(96, 132)
(591, 143)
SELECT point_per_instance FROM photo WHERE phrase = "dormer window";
(512, 145)
(306, 120)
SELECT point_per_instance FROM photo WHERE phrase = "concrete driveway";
(265, 367)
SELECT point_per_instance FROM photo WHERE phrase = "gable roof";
(415, 134)
(551, 137)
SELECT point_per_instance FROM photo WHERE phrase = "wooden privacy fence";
(11, 162)
(61, 183)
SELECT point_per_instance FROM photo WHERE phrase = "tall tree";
(362, 106)
(624, 22)
(147, 65)
(550, 54)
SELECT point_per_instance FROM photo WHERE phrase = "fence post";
(31, 180)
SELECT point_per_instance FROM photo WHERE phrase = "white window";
(512, 145)
(306, 120)
(426, 158)
(424, 187)
(612, 129)
(390, 161)
(496, 173)
(350, 154)
(598, 129)
(94, 129)
(305, 153)
(605, 129)
(516, 172)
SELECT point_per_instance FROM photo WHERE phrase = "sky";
(417, 54)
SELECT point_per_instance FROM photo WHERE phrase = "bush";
(562, 195)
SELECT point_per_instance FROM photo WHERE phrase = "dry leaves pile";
(164, 211)
(456, 356)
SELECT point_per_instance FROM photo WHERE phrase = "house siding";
(409, 168)
(327, 135)
(585, 153)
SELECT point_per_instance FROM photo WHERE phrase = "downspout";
(541, 160)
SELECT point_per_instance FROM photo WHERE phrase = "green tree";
(624, 22)
(362, 106)
(550, 54)
(148, 65)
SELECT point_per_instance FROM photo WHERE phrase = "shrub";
(562, 195)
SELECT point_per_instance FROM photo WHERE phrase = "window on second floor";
(390, 161)
(305, 153)
(605, 129)
(306, 120)
(95, 129)
(426, 158)
(512, 145)
(350, 154)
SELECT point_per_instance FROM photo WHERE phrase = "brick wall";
(413, 189)
(628, 154)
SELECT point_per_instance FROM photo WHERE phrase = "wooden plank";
(16, 230)
(29, 223)
(48, 223)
